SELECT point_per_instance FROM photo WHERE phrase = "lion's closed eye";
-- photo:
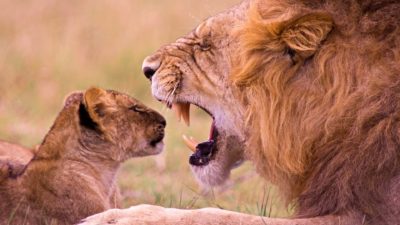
(204, 45)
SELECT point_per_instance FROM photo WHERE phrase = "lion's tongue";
(212, 130)
(203, 153)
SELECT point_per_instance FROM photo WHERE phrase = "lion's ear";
(303, 35)
(98, 103)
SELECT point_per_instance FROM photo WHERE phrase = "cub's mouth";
(203, 152)
(157, 139)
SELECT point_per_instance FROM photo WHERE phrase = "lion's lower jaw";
(229, 155)
(211, 175)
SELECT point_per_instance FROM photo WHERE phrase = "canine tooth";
(190, 143)
(185, 112)
(176, 107)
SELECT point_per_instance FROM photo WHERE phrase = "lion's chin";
(227, 155)
(214, 174)
(217, 171)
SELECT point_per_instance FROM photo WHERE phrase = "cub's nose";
(163, 123)
(150, 66)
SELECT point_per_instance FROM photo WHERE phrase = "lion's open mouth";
(203, 152)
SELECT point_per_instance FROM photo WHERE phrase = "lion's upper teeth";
(186, 113)
(177, 109)
(182, 110)
(190, 142)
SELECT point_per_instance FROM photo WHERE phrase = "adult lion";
(308, 90)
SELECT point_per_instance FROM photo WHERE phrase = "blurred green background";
(50, 48)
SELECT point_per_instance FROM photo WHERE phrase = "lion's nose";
(148, 72)
(150, 66)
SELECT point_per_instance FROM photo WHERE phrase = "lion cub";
(72, 174)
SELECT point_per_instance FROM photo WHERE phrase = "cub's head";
(107, 124)
(123, 121)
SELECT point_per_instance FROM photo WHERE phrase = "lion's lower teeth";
(190, 143)
(186, 113)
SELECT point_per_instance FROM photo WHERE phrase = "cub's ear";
(98, 103)
(303, 35)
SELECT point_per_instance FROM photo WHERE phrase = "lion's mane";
(323, 101)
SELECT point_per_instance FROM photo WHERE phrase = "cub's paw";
(4, 170)
(10, 169)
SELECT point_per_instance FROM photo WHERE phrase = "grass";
(51, 48)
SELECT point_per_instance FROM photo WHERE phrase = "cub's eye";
(137, 108)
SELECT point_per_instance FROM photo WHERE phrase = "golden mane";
(322, 105)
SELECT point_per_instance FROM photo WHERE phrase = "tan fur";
(72, 174)
(156, 215)
(309, 90)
